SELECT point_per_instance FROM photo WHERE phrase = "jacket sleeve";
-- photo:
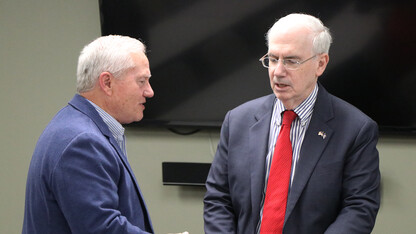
(219, 216)
(361, 185)
(85, 185)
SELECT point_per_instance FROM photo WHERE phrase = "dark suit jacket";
(336, 185)
(80, 181)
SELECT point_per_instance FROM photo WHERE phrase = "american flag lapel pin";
(322, 134)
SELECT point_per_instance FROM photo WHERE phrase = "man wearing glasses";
(299, 160)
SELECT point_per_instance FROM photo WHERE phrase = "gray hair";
(106, 54)
(322, 38)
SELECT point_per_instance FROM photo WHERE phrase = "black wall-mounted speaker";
(185, 173)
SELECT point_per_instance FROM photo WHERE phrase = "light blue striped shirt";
(115, 127)
(297, 134)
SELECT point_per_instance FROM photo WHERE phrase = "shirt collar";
(304, 110)
(114, 126)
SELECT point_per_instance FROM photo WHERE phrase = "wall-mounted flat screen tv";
(204, 55)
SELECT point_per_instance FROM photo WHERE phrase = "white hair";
(106, 54)
(322, 38)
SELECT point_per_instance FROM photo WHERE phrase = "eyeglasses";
(290, 64)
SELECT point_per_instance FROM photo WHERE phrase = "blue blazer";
(79, 180)
(336, 185)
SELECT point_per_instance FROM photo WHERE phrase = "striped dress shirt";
(297, 134)
(114, 126)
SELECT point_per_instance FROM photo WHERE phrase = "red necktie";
(278, 182)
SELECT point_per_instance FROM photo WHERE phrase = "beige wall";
(39, 46)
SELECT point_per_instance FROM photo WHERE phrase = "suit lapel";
(85, 107)
(312, 147)
(258, 146)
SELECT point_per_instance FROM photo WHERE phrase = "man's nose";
(279, 69)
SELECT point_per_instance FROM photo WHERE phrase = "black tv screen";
(204, 55)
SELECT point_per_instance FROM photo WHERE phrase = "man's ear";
(105, 81)
(323, 61)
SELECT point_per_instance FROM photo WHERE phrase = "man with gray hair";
(79, 179)
(298, 161)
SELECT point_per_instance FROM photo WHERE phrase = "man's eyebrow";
(272, 55)
(285, 57)
(291, 57)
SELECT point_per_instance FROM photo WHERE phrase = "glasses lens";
(291, 64)
(265, 61)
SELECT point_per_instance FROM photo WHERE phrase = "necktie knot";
(288, 117)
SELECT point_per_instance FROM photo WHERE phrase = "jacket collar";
(258, 142)
(313, 146)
